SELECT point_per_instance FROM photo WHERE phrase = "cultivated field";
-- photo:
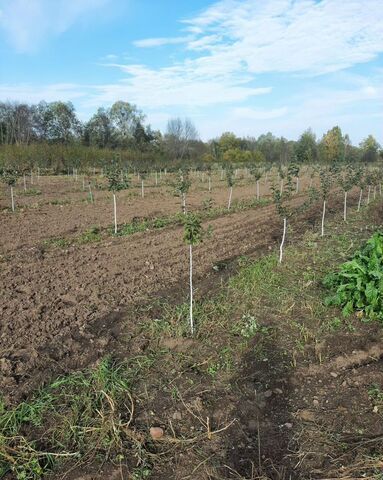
(73, 294)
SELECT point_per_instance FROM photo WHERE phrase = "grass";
(268, 316)
(95, 234)
(82, 415)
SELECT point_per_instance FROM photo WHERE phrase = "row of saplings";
(346, 177)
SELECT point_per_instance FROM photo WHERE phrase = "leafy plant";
(359, 283)
(10, 176)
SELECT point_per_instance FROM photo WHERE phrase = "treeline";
(50, 135)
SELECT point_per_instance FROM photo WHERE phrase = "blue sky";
(247, 66)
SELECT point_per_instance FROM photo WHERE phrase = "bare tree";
(179, 136)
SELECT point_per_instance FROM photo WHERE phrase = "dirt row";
(73, 215)
(50, 298)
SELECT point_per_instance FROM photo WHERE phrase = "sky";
(246, 66)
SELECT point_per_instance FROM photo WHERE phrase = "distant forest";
(50, 135)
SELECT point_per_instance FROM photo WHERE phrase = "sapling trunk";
(38, 174)
(297, 190)
(209, 183)
(380, 189)
(323, 215)
(183, 203)
(12, 200)
(374, 192)
(368, 195)
(360, 199)
(156, 178)
(83, 183)
(142, 188)
(25, 183)
(281, 186)
(230, 195)
(345, 207)
(311, 182)
(90, 193)
(31, 177)
(283, 240)
(115, 212)
(191, 288)
(222, 174)
(257, 189)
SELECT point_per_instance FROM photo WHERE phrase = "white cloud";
(306, 36)
(27, 23)
(258, 114)
(160, 41)
(30, 94)
(183, 84)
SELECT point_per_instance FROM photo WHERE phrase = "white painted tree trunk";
(221, 174)
(345, 207)
(184, 203)
(31, 177)
(323, 215)
(115, 212)
(281, 189)
(374, 192)
(283, 240)
(368, 195)
(297, 185)
(360, 199)
(90, 193)
(257, 189)
(191, 289)
(25, 183)
(209, 183)
(83, 183)
(230, 195)
(142, 189)
(38, 174)
(156, 178)
(12, 200)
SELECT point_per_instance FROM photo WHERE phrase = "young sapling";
(115, 185)
(193, 234)
(9, 177)
(230, 182)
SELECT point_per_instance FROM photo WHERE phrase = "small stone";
(316, 403)
(278, 391)
(344, 384)
(268, 393)
(177, 416)
(334, 374)
(375, 409)
(156, 433)
(289, 425)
